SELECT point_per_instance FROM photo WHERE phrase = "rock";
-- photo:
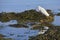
(2, 35)
(18, 25)
(37, 27)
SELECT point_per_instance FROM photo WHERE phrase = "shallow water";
(16, 33)
(56, 20)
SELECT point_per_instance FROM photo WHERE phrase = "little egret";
(42, 10)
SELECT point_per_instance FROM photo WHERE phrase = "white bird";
(42, 10)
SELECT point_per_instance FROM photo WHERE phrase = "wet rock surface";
(37, 27)
(2, 35)
(19, 25)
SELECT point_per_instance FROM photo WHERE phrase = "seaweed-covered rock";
(28, 15)
(19, 25)
(37, 27)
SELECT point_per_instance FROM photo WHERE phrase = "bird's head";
(38, 8)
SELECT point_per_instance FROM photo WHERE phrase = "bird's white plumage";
(42, 10)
